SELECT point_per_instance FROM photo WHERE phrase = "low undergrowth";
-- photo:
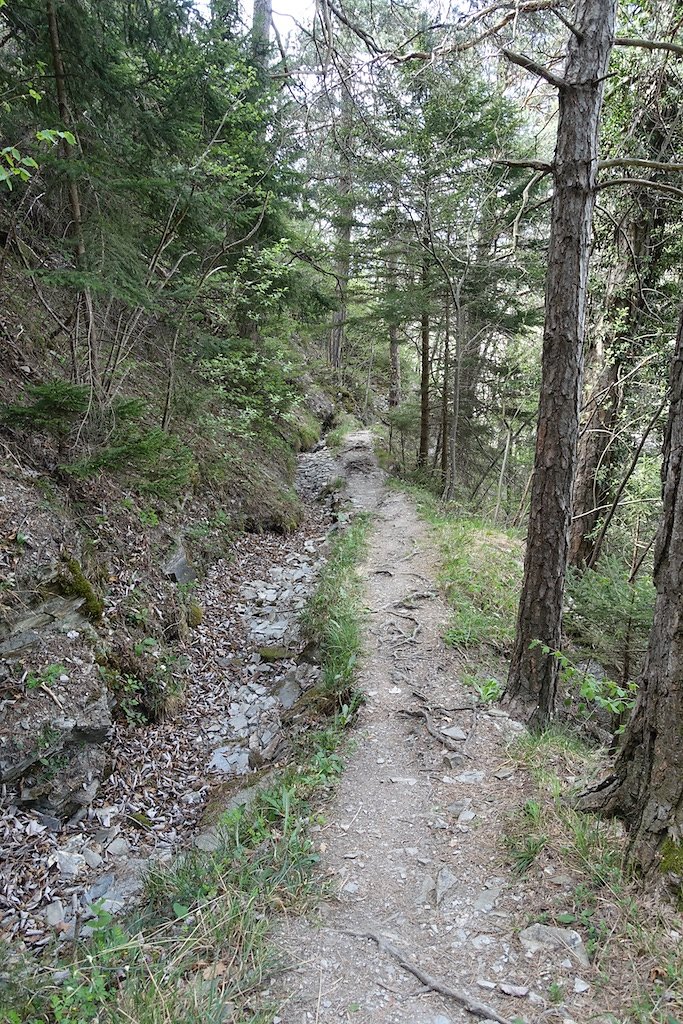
(332, 620)
(574, 864)
(198, 950)
(481, 574)
(346, 424)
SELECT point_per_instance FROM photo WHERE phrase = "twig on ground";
(461, 998)
(46, 689)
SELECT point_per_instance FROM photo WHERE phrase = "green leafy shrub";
(253, 384)
(593, 692)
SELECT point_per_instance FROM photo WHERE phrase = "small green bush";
(608, 617)
(52, 407)
(161, 463)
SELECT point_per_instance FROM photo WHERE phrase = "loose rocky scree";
(152, 789)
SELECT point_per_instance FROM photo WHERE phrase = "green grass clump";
(482, 574)
(602, 898)
(332, 620)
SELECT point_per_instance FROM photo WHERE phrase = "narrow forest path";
(413, 841)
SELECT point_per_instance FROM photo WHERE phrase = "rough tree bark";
(262, 17)
(646, 786)
(533, 674)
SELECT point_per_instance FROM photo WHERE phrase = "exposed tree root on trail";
(480, 1010)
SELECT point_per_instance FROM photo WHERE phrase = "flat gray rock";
(542, 936)
(444, 883)
(470, 778)
(454, 732)
(231, 760)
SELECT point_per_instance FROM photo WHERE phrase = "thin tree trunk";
(503, 467)
(424, 366)
(460, 339)
(635, 270)
(533, 674)
(445, 389)
(394, 353)
(84, 298)
(600, 539)
(342, 265)
(646, 786)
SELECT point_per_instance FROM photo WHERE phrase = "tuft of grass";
(332, 619)
(345, 425)
(488, 689)
(631, 938)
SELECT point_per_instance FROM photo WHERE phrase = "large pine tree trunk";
(646, 788)
(533, 674)
(262, 17)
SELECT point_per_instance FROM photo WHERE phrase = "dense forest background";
(221, 237)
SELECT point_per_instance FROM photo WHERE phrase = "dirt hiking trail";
(412, 844)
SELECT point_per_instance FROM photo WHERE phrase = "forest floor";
(427, 915)
(454, 882)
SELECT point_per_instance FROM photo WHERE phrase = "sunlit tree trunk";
(533, 674)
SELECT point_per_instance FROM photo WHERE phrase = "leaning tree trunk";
(646, 787)
(533, 674)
